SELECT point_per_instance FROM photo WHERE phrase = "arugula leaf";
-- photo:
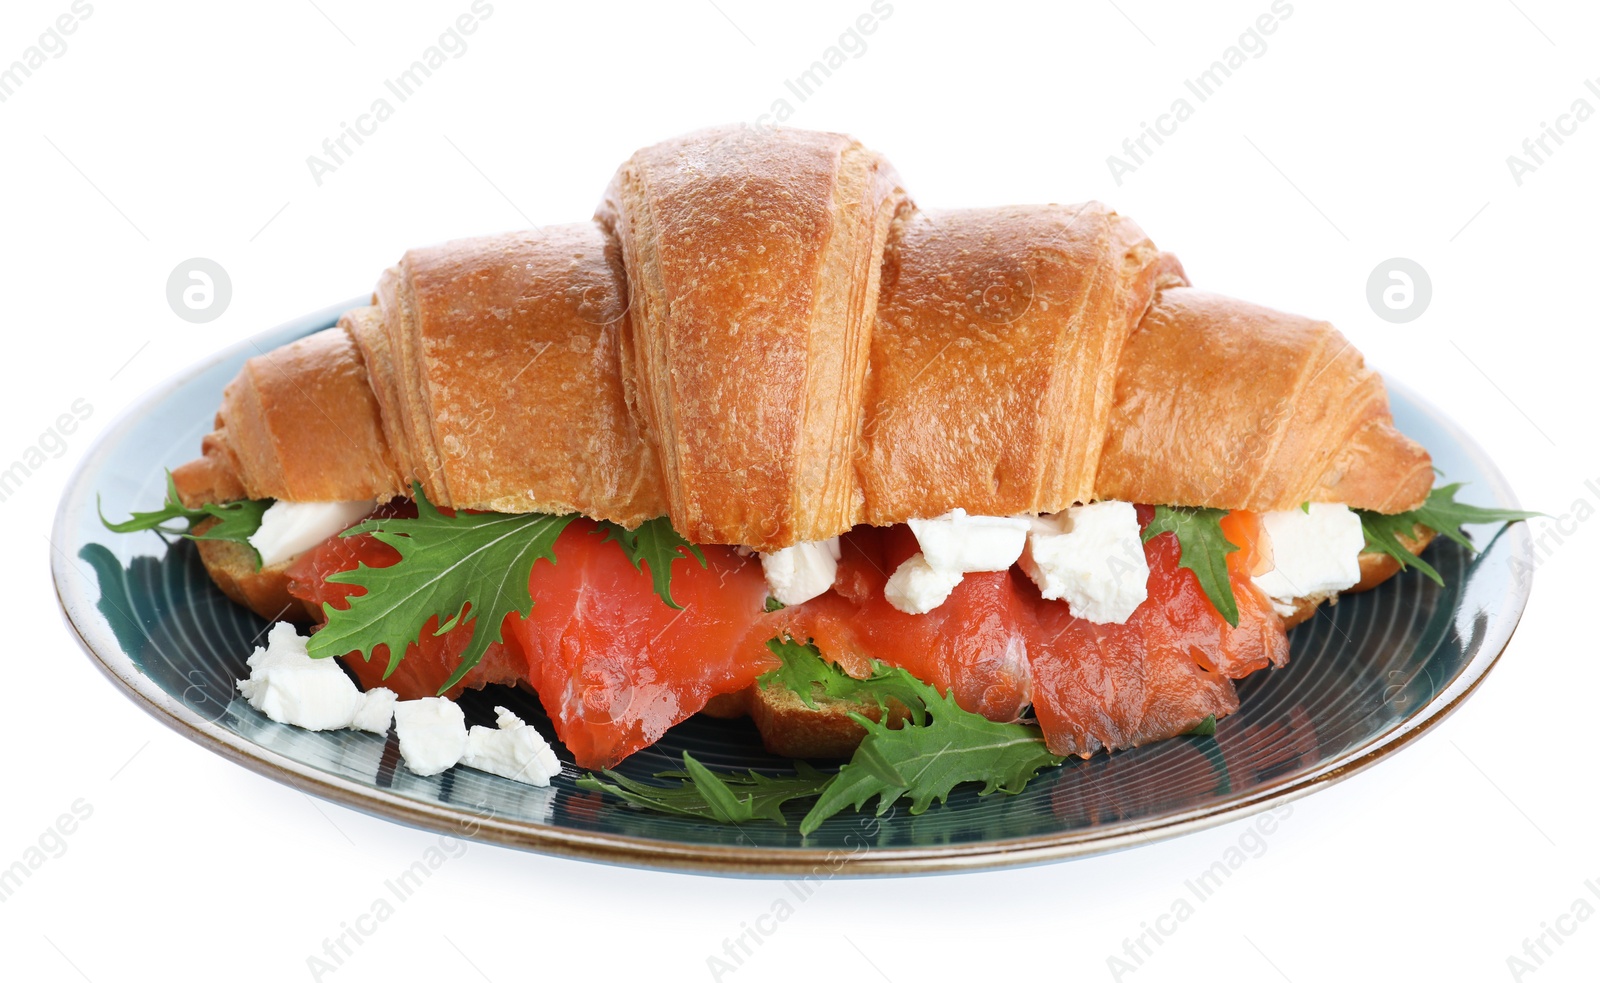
(802, 670)
(773, 604)
(1202, 548)
(469, 568)
(1384, 532)
(657, 544)
(236, 521)
(924, 761)
(1445, 516)
(727, 806)
(1441, 513)
(809, 675)
(940, 747)
(1205, 728)
(701, 793)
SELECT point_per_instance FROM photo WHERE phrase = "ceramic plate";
(1362, 681)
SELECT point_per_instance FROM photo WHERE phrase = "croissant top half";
(761, 337)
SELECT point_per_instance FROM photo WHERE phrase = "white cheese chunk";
(291, 687)
(515, 751)
(1091, 557)
(432, 732)
(290, 528)
(960, 543)
(915, 587)
(1313, 553)
(376, 710)
(953, 544)
(285, 647)
(796, 574)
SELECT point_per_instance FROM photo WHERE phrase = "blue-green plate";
(1362, 681)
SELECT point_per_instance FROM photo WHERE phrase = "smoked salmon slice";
(428, 662)
(615, 666)
(974, 645)
(1169, 667)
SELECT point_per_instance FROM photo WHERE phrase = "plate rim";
(722, 859)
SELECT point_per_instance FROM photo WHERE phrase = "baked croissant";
(764, 340)
(761, 337)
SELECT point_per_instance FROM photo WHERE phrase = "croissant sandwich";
(765, 438)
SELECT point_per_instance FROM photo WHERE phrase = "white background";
(1365, 131)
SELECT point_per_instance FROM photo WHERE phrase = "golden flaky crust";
(1226, 404)
(762, 339)
(488, 371)
(298, 423)
(753, 264)
(500, 378)
(998, 334)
